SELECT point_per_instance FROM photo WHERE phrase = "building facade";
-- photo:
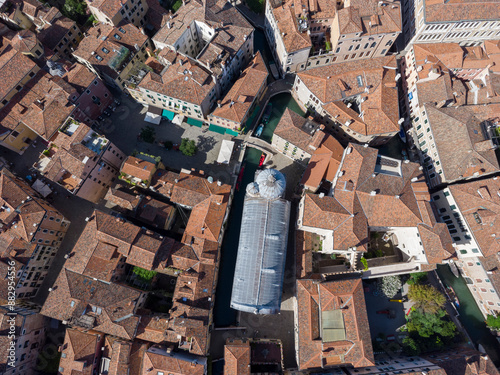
(463, 22)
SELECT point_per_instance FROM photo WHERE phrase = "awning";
(217, 129)
(232, 132)
(154, 110)
(192, 121)
(152, 118)
(168, 114)
(226, 150)
(42, 188)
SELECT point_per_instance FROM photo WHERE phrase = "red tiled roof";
(237, 357)
(314, 298)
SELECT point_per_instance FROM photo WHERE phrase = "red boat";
(240, 177)
(262, 158)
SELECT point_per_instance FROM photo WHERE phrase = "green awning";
(232, 132)
(217, 129)
(168, 114)
(192, 121)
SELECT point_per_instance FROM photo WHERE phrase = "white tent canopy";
(226, 150)
(152, 118)
(42, 188)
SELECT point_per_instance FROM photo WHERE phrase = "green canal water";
(470, 315)
(223, 314)
(279, 102)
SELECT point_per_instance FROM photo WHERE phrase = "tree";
(427, 325)
(426, 298)
(390, 285)
(493, 322)
(76, 10)
(188, 147)
(144, 275)
(364, 262)
(417, 278)
(410, 346)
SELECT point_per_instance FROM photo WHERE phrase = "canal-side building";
(332, 327)
(371, 194)
(80, 160)
(214, 34)
(32, 233)
(305, 35)
(233, 111)
(357, 101)
(260, 264)
(183, 89)
(114, 53)
(465, 22)
(444, 86)
(323, 165)
(470, 211)
(297, 137)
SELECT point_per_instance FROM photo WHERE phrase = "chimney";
(219, 104)
(321, 195)
(414, 179)
(373, 193)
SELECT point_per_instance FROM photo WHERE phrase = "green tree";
(364, 262)
(427, 325)
(493, 322)
(426, 298)
(76, 10)
(410, 346)
(144, 275)
(188, 147)
(417, 278)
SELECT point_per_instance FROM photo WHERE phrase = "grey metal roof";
(271, 183)
(260, 265)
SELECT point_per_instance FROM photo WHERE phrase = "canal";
(470, 315)
(279, 103)
(223, 314)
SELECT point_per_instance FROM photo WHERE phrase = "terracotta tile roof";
(350, 21)
(123, 199)
(73, 295)
(118, 352)
(80, 349)
(163, 182)
(79, 77)
(144, 250)
(287, 23)
(43, 105)
(442, 89)
(183, 79)
(155, 212)
(192, 189)
(378, 112)
(367, 195)
(139, 168)
(486, 208)
(23, 41)
(174, 363)
(237, 357)
(303, 254)
(471, 151)
(14, 66)
(109, 7)
(240, 97)
(461, 10)
(156, 15)
(437, 243)
(226, 41)
(354, 344)
(324, 163)
(51, 35)
(152, 329)
(299, 131)
(118, 41)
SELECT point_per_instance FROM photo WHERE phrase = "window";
(99, 58)
(463, 251)
(105, 50)
(116, 36)
(121, 30)
(453, 207)
(384, 51)
(475, 251)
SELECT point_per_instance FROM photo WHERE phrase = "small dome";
(253, 189)
(271, 183)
